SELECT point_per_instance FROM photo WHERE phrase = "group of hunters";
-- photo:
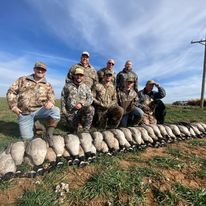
(89, 98)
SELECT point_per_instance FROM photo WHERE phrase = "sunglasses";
(111, 63)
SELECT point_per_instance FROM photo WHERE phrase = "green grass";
(193, 159)
(4, 185)
(122, 186)
(106, 183)
(201, 174)
(197, 142)
(37, 197)
(175, 152)
(164, 198)
(195, 197)
(167, 162)
(113, 181)
(187, 113)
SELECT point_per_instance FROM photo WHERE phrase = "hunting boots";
(51, 125)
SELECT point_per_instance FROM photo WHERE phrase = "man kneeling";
(107, 112)
(76, 100)
(128, 99)
(32, 97)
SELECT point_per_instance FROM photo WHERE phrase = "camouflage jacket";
(127, 100)
(148, 99)
(122, 77)
(100, 74)
(29, 95)
(104, 95)
(90, 74)
(155, 95)
(73, 94)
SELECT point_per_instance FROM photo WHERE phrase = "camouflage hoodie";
(73, 94)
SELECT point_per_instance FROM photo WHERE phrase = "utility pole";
(203, 42)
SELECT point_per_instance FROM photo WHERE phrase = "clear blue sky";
(155, 35)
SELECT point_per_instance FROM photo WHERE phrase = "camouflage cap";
(85, 53)
(150, 82)
(79, 71)
(40, 65)
(108, 72)
(130, 79)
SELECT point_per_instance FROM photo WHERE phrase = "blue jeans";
(132, 117)
(26, 121)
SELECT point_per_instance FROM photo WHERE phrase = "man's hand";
(78, 106)
(157, 85)
(48, 105)
(16, 110)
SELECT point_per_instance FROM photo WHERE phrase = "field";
(171, 175)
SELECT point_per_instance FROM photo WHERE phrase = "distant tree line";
(191, 102)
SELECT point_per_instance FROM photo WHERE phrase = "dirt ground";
(20, 185)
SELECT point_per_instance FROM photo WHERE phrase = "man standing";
(129, 101)
(154, 96)
(109, 67)
(122, 76)
(90, 74)
(76, 100)
(32, 97)
(107, 112)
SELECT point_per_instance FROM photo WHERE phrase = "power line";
(203, 42)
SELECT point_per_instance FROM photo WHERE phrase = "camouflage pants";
(109, 118)
(82, 117)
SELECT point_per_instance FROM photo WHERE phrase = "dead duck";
(119, 135)
(170, 133)
(176, 131)
(128, 135)
(111, 141)
(51, 158)
(137, 136)
(99, 143)
(72, 144)
(184, 131)
(36, 151)
(58, 144)
(150, 132)
(17, 151)
(86, 143)
(145, 136)
(7, 166)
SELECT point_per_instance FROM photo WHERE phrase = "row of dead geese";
(42, 156)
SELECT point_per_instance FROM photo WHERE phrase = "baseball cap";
(150, 82)
(40, 65)
(106, 72)
(79, 71)
(85, 53)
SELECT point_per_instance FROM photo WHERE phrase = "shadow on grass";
(10, 129)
